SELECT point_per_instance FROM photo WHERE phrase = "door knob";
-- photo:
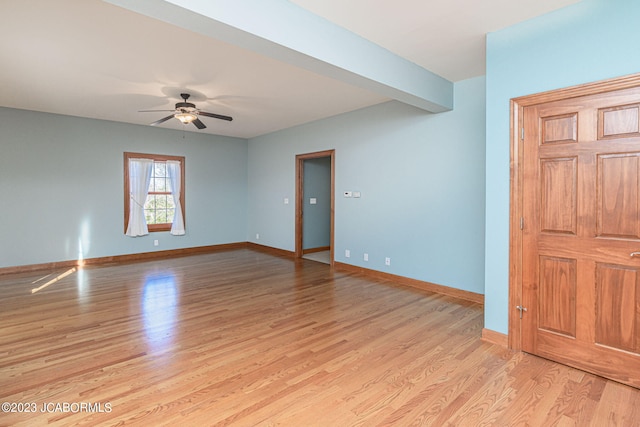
(633, 254)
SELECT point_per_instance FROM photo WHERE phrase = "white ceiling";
(89, 58)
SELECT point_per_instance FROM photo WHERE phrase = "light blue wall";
(316, 218)
(61, 186)
(421, 177)
(589, 41)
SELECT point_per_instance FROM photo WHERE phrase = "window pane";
(151, 202)
(161, 216)
(158, 201)
(161, 184)
(160, 169)
(149, 216)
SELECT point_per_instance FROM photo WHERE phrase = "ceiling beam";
(284, 31)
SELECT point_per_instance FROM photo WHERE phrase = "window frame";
(156, 158)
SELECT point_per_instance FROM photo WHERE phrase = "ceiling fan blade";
(152, 111)
(157, 122)
(198, 124)
(217, 116)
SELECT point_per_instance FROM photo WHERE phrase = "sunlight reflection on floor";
(159, 302)
(54, 280)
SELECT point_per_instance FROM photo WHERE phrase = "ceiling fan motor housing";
(181, 105)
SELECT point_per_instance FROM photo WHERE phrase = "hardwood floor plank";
(249, 338)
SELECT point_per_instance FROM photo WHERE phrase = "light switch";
(313, 201)
(356, 194)
(286, 200)
(347, 194)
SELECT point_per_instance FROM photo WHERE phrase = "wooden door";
(581, 233)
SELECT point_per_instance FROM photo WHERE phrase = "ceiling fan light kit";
(187, 113)
(185, 118)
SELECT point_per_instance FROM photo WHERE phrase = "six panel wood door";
(581, 205)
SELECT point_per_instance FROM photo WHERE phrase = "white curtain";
(139, 179)
(173, 171)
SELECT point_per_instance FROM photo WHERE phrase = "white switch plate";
(356, 194)
(286, 200)
(313, 201)
(348, 194)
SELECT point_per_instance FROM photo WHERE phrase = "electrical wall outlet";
(257, 236)
(347, 253)
(387, 261)
(366, 257)
(156, 243)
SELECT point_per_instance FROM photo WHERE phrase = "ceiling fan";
(187, 113)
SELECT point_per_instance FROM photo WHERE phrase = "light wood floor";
(245, 338)
(324, 257)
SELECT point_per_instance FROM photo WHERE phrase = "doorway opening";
(315, 197)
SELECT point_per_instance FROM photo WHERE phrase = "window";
(162, 210)
(159, 208)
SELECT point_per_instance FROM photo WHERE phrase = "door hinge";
(521, 223)
(521, 309)
(522, 133)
